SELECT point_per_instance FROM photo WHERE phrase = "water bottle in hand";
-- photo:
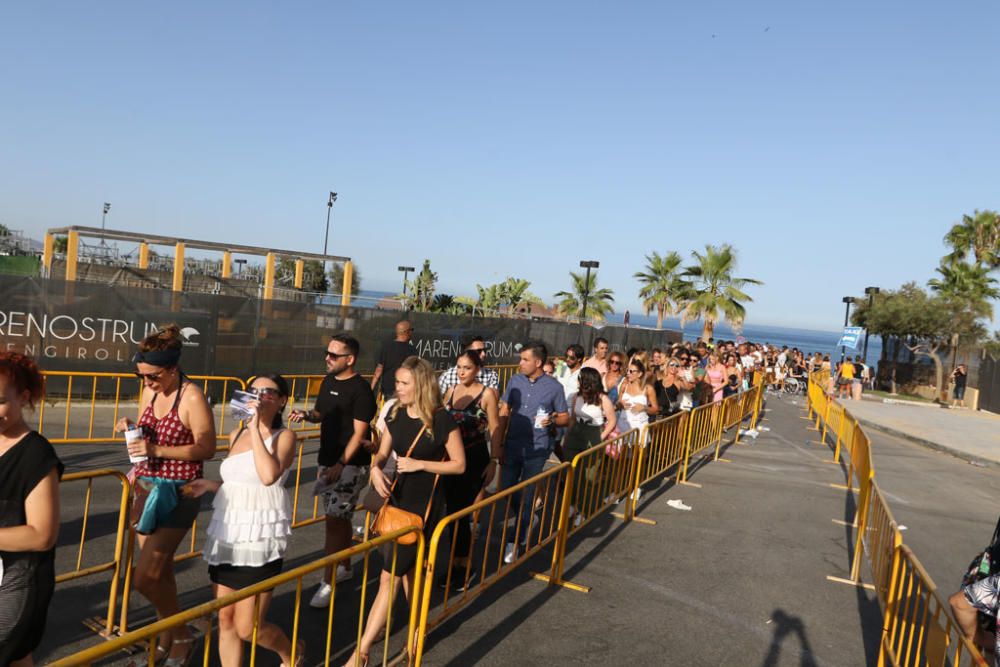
(134, 434)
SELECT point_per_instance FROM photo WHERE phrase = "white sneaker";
(637, 494)
(321, 598)
(577, 520)
(510, 553)
(344, 574)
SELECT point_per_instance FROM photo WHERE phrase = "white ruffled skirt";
(250, 525)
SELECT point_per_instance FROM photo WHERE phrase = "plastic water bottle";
(134, 434)
(540, 417)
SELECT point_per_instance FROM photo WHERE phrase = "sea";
(806, 340)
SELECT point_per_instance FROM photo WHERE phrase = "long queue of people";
(458, 429)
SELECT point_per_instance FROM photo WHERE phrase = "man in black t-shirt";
(391, 358)
(344, 408)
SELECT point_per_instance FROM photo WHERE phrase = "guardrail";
(114, 563)
(918, 627)
(147, 635)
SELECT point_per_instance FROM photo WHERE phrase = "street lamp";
(848, 300)
(871, 292)
(587, 264)
(406, 270)
(104, 215)
(239, 263)
(329, 209)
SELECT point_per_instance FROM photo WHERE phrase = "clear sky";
(832, 143)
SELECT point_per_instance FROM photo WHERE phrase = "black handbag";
(985, 564)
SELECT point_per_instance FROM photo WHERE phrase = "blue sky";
(832, 143)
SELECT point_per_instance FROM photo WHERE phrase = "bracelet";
(342, 463)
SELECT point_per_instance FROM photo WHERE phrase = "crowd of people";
(441, 443)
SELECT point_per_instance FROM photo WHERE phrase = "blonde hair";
(426, 392)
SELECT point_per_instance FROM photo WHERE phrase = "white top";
(251, 522)
(634, 419)
(587, 413)
(570, 381)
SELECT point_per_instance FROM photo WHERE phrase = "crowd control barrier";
(918, 627)
(526, 514)
(82, 408)
(147, 635)
(113, 563)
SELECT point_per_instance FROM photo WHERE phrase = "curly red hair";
(22, 372)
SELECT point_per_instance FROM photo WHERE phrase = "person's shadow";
(783, 626)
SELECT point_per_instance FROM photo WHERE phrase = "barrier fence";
(267, 592)
(544, 510)
(918, 627)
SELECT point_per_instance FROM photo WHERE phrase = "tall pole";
(848, 300)
(871, 292)
(406, 271)
(329, 210)
(586, 264)
(104, 215)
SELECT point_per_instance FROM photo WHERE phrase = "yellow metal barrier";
(703, 432)
(918, 628)
(666, 447)
(147, 635)
(81, 408)
(114, 565)
(503, 521)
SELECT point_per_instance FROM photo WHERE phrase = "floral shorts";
(341, 497)
(984, 595)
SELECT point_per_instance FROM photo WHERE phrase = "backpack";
(984, 565)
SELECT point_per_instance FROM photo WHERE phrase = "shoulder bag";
(391, 518)
(985, 564)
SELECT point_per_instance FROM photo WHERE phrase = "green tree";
(715, 293)
(599, 301)
(977, 234)
(421, 289)
(968, 284)
(59, 244)
(663, 287)
(337, 278)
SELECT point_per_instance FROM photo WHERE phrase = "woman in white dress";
(251, 522)
(637, 398)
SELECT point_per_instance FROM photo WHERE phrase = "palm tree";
(715, 293)
(969, 284)
(663, 288)
(598, 300)
(978, 233)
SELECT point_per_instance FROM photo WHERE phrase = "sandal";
(186, 658)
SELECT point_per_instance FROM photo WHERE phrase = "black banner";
(88, 327)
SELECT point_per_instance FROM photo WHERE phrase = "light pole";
(871, 292)
(329, 210)
(848, 300)
(587, 264)
(104, 215)
(239, 263)
(406, 271)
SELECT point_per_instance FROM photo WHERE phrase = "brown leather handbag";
(391, 518)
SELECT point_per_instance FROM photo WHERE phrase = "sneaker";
(461, 584)
(510, 553)
(577, 520)
(458, 574)
(344, 574)
(637, 494)
(321, 598)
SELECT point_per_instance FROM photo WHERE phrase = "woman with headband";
(178, 432)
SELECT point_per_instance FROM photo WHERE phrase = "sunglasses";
(569, 358)
(674, 365)
(615, 362)
(334, 355)
(478, 350)
(261, 392)
(150, 377)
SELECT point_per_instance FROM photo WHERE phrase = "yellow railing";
(203, 613)
(918, 627)
(114, 562)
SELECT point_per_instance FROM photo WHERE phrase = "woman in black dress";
(29, 514)
(418, 417)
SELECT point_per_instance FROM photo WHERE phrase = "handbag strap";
(409, 451)
(996, 535)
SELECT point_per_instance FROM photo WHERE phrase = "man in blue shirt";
(532, 404)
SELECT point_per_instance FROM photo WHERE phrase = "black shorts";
(960, 393)
(184, 514)
(241, 576)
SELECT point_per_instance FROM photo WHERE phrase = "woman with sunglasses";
(251, 522)
(733, 368)
(178, 435)
(637, 398)
(668, 388)
(615, 375)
